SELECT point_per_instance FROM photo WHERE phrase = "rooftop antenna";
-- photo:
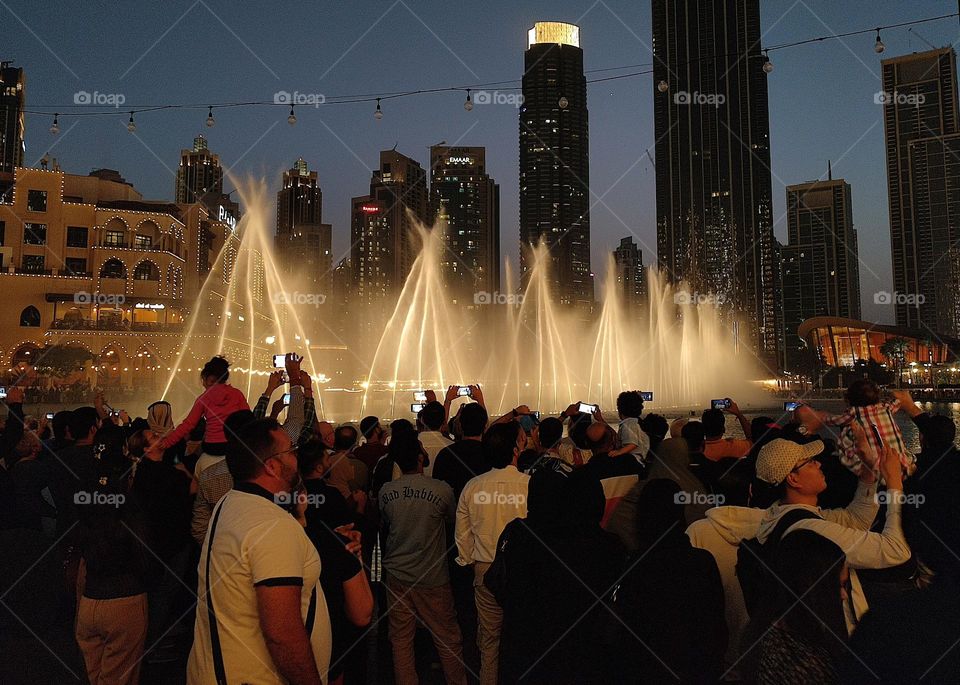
(394, 148)
(829, 171)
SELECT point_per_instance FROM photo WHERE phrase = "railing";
(34, 272)
(76, 274)
(106, 325)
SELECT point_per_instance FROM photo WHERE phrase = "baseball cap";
(779, 457)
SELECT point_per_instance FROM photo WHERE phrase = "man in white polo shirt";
(261, 616)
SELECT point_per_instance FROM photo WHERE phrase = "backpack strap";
(786, 522)
(218, 666)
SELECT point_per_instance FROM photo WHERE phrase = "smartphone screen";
(420, 396)
(279, 360)
(3, 392)
(536, 415)
(286, 399)
(415, 408)
(464, 391)
(719, 404)
(588, 408)
(49, 415)
(647, 395)
(790, 406)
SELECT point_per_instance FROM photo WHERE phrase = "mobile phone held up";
(791, 406)
(286, 399)
(465, 391)
(420, 396)
(416, 408)
(720, 404)
(646, 395)
(585, 408)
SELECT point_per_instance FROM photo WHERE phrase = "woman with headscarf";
(160, 422)
(551, 573)
(669, 625)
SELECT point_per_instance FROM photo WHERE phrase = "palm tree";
(895, 350)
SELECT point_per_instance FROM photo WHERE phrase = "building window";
(146, 271)
(33, 264)
(3, 231)
(37, 200)
(113, 268)
(113, 239)
(143, 242)
(30, 316)
(34, 234)
(75, 266)
(76, 236)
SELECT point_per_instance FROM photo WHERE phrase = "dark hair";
(61, 423)
(763, 429)
(659, 512)
(235, 421)
(218, 367)
(344, 437)
(137, 443)
(656, 428)
(368, 424)
(630, 404)
(578, 430)
(693, 433)
(310, 454)
(399, 426)
(254, 443)
(432, 415)
(81, 421)
(764, 495)
(499, 442)
(939, 432)
(405, 450)
(473, 419)
(551, 432)
(862, 393)
(714, 423)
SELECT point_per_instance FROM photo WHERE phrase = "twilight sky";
(206, 51)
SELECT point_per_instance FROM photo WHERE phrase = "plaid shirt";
(881, 416)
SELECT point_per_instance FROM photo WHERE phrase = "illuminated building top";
(554, 32)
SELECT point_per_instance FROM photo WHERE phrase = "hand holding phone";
(646, 395)
(585, 408)
(465, 391)
(722, 405)
(416, 408)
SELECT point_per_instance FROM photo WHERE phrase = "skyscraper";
(554, 160)
(382, 229)
(200, 179)
(920, 121)
(712, 130)
(466, 200)
(819, 266)
(304, 242)
(628, 266)
(12, 101)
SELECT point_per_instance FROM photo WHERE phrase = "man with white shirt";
(429, 421)
(261, 615)
(487, 504)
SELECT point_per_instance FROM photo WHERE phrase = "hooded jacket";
(215, 405)
(721, 532)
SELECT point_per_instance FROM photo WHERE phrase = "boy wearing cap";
(788, 475)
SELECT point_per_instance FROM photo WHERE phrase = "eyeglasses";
(801, 464)
(293, 448)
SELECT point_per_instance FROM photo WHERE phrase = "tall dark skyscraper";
(628, 263)
(920, 121)
(712, 130)
(555, 162)
(303, 241)
(12, 100)
(467, 201)
(200, 179)
(819, 266)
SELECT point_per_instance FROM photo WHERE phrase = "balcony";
(34, 272)
(108, 325)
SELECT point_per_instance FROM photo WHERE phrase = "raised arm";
(734, 409)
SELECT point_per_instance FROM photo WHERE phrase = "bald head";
(600, 437)
(326, 432)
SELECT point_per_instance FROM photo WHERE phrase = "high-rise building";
(920, 117)
(200, 179)
(12, 101)
(304, 242)
(382, 226)
(712, 130)
(555, 162)
(628, 265)
(819, 265)
(466, 201)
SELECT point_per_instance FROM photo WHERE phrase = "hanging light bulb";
(663, 86)
(292, 119)
(468, 105)
(131, 125)
(767, 64)
(563, 102)
(878, 46)
(210, 120)
(55, 126)
(378, 113)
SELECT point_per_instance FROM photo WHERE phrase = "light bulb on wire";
(767, 64)
(563, 102)
(878, 46)
(292, 119)
(663, 86)
(131, 125)
(378, 113)
(468, 105)
(210, 119)
(55, 126)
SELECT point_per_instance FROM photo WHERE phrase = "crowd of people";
(271, 546)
